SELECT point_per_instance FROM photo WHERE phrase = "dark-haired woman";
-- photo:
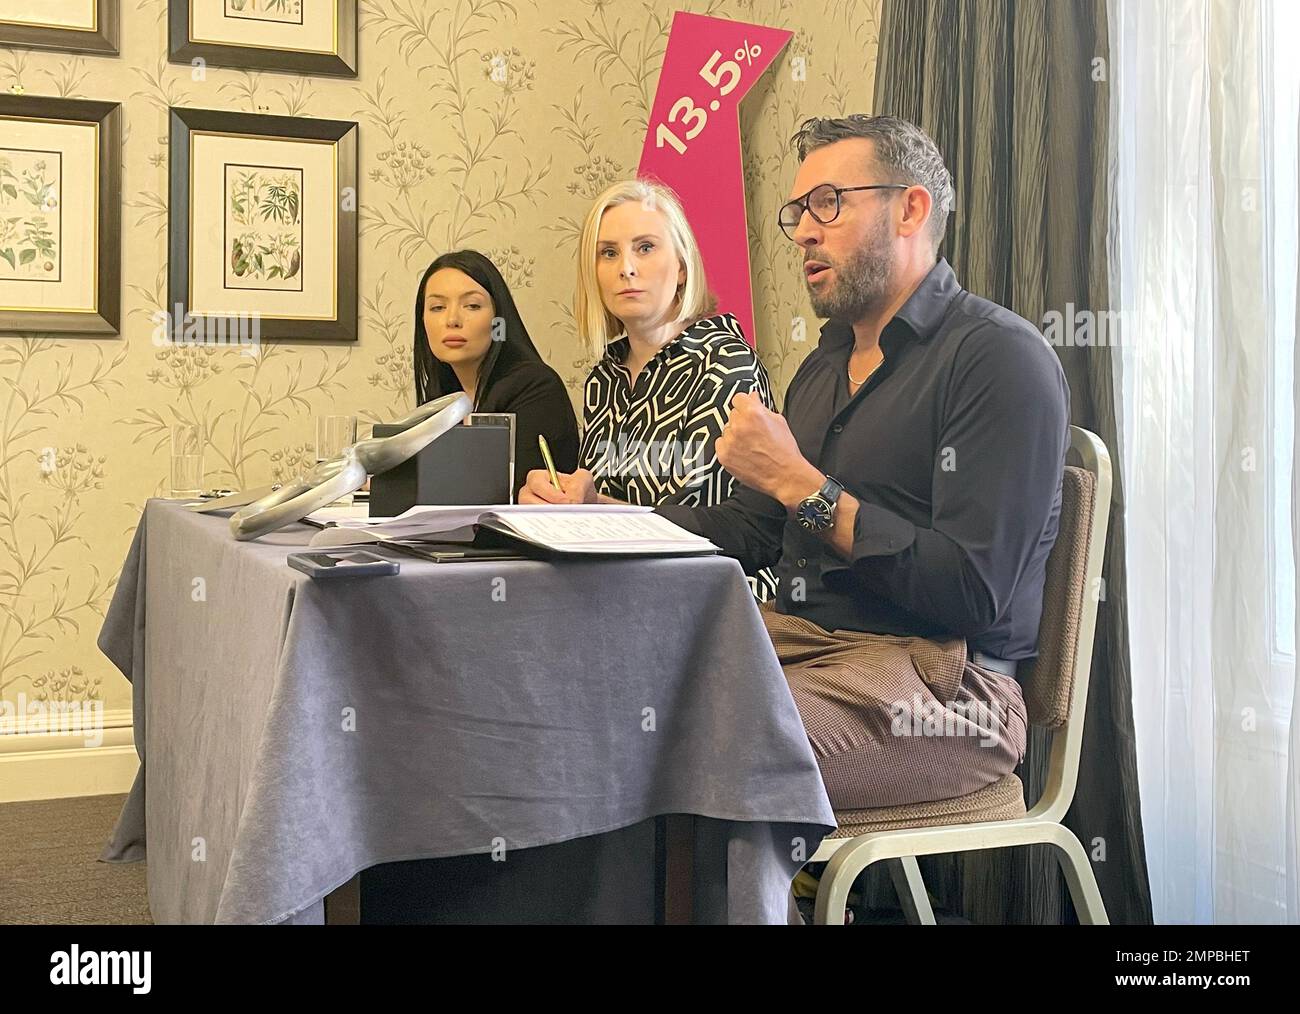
(469, 337)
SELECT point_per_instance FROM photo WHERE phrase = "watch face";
(815, 514)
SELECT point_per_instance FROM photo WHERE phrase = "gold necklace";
(859, 383)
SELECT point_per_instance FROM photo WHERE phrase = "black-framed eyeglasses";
(823, 203)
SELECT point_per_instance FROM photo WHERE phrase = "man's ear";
(916, 205)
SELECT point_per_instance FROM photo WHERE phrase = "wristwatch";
(816, 513)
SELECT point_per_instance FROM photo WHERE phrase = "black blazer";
(540, 401)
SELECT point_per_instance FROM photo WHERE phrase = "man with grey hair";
(909, 494)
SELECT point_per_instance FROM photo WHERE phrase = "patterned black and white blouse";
(652, 443)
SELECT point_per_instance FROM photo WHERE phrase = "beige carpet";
(49, 871)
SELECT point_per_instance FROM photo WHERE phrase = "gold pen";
(550, 464)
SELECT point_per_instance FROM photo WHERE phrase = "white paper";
(603, 532)
(447, 518)
(344, 537)
(615, 529)
(340, 515)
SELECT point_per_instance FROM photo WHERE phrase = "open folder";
(571, 529)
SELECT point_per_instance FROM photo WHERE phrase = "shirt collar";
(919, 317)
(616, 351)
(690, 337)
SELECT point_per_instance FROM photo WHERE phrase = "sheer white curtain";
(1203, 262)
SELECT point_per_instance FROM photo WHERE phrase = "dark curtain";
(1015, 93)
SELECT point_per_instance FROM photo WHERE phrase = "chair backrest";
(1049, 684)
(1056, 685)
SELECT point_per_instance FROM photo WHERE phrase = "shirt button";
(837, 428)
(801, 562)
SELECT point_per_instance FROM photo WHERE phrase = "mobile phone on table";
(342, 563)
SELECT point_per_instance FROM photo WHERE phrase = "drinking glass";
(186, 460)
(333, 433)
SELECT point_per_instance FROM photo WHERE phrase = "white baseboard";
(57, 766)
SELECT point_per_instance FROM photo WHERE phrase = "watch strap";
(831, 490)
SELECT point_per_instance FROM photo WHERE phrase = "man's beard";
(861, 283)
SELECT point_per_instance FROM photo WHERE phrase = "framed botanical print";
(60, 215)
(263, 223)
(302, 36)
(83, 26)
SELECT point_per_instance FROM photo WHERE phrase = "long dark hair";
(434, 378)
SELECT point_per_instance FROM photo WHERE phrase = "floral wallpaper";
(484, 123)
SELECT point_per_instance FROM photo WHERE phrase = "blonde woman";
(667, 364)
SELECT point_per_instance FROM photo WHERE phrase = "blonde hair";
(596, 325)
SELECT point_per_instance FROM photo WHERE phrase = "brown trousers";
(898, 720)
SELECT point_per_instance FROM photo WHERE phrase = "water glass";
(186, 460)
(333, 434)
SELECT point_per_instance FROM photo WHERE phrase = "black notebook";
(466, 465)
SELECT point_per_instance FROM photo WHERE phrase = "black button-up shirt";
(954, 447)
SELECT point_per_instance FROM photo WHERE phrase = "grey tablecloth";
(295, 732)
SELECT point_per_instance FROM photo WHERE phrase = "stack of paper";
(611, 530)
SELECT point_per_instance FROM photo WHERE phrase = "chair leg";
(833, 893)
(1080, 879)
(853, 857)
(837, 881)
(910, 886)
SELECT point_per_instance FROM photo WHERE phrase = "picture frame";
(276, 35)
(263, 224)
(60, 177)
(76, 26)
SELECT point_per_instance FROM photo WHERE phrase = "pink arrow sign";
(693, 141)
